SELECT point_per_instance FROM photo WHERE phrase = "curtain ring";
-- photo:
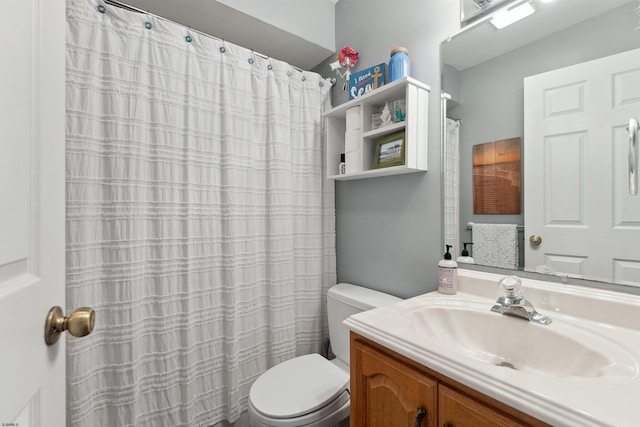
(148, 25)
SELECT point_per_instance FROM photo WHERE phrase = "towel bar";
(470, 226)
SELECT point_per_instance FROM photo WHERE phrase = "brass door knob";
(535, 240)
(79, 324)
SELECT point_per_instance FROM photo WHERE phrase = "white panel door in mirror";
(626, 272)
(576, 165)
(564, 158)
(573, 266)
(626, 88)
(559, 101)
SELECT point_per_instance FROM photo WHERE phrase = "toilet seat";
(330, 415)
(300, 391)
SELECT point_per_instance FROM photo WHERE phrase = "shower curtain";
(451, 185)
(200, 226)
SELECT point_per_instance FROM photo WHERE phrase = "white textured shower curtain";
(199, 223)
(452, 186)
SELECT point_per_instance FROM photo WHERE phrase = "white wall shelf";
(359, 146)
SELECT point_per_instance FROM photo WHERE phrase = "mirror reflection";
(484, 71)
(471, 10)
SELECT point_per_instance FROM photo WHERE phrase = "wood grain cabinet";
(456, 409)
(388, 389)
(388, 392)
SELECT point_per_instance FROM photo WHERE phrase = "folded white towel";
(495, 245)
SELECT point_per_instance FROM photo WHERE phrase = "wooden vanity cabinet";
(386, 392)
(456, 409)
(388, 389)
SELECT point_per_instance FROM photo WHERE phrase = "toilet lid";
(298, 386)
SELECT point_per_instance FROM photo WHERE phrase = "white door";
(576, 169)
(32, 241)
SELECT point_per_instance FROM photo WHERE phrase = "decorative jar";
(399, 64)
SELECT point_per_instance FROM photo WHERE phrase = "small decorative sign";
(496, 177)
(367, 80)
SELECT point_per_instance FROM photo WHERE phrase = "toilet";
(310, 390)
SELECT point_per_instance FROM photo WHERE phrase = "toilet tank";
(343, 300)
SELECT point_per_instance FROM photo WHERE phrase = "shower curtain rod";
(138, 10)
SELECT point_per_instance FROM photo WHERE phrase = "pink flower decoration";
(348, 57)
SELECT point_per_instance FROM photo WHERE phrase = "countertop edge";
(520, 399)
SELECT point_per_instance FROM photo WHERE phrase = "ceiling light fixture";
(508, 17)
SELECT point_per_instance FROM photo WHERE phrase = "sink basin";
(555, 350)
(583, 369)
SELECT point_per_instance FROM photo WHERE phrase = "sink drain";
(506, 365)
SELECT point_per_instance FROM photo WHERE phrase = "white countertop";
(608, 322)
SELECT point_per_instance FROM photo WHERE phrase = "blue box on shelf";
(367, 80)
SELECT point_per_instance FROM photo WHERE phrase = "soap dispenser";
(464, 256)
(447, 274)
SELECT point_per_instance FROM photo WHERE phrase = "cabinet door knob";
(420, 414)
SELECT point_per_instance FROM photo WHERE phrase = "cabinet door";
(386, 392)
(458, 410)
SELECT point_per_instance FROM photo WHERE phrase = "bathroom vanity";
(440, 360)
(389, 389)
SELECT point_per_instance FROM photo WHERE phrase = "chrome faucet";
(512, 303)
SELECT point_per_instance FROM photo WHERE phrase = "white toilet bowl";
(305, 391)
(310, 390)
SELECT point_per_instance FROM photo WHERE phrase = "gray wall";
(389, 228)
(491, 94)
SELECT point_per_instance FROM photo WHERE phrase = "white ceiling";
(224, 22)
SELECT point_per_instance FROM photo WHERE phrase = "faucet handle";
(510, 286)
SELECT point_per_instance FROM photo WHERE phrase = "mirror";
(472, 10)
(484, 69)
